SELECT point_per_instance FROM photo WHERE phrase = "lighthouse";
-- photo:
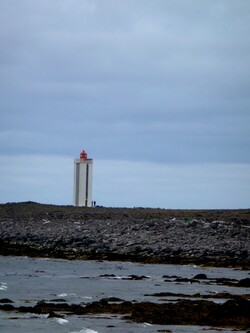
(83, 172)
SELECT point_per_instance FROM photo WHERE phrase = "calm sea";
(27, 281)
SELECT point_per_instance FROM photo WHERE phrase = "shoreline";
(201, 237)
(19, 250)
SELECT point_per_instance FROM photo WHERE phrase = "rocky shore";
(209, 237)
(232, 313)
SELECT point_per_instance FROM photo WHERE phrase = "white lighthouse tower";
(83, 172)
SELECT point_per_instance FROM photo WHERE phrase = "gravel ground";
(209, 237)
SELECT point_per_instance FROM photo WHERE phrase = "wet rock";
(224, 281)
(165, 294)
(244, 283)
(136, 277)
(233, 313)
(200, 277)
(180, 313)
(7, 307)
(236, 307)
(112, 299)
(6, 300)
(186, 280)
(223, 295)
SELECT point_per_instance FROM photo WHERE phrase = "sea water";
(27, 281)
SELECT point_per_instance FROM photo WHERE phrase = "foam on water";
(146, 324)
(85, 330)
(3, 286)
(61, 321)
(65, 294)
(86, 297)
(31, 316)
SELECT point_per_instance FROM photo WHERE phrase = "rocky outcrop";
(232, 313)
(147, 235)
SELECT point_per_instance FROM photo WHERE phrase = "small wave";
(3, 286)
(65, 294)
(85, 330)
(42, 315)
(61, 321)
(32, 316)
(146, 324)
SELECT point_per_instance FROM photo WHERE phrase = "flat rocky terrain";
(209, 237)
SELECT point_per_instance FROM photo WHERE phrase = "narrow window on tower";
(87, 184)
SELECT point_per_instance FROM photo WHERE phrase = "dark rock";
(244, 283)
(200, 277)
(137, 277)
(233, 313)
(179, 279)
(139, 234)
(164, 294)
(225, 281)
(236, 307)
(180, 313)
(223, 295)
(7, 307)
(6, 300)
(186, 280)
(112, 299)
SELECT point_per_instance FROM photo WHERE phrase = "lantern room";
(83, 155)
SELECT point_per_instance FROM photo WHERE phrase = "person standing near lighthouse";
(83, 175)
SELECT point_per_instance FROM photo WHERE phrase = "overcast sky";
(157, 92)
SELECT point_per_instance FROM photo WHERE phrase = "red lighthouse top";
(83, 155)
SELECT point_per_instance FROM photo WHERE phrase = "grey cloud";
(171, 77)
